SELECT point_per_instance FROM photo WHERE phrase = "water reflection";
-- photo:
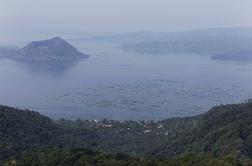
(56, 67)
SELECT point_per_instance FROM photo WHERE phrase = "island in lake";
(51, 50)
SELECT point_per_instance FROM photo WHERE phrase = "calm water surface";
(119, 85)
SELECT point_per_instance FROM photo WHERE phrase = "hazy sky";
(26, 17)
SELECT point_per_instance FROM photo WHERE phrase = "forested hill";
(23, 130)
(83, 157)
(222, 131)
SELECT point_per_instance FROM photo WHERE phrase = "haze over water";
(120, 85)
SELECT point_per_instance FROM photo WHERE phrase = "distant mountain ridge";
(235, 56)
(217, 43)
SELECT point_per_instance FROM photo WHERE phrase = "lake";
(120, 85)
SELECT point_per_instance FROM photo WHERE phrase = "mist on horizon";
(31, 19)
